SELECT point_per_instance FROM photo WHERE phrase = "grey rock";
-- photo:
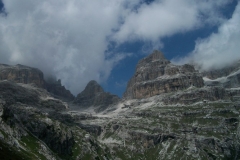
(197, 95)
(58, 90)
(22, 74)
(94, 95)
(155, 75)
(28, 75)
(58, 139)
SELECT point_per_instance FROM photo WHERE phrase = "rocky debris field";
(157, 131)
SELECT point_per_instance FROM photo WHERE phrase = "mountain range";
(168, 111)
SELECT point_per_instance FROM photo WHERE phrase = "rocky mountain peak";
(154, 59)
(155, 75)
(94, 95)
(93, 88)
(155, 55)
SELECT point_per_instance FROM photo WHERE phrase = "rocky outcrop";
(57, 136)
(22, 74)
(149, 140)
(56, 88)
(94, 95)
(93, 129)
(36, 125)
(156, 75)
(27, 75)
(13, 93)
(26, 107)
(197, 95)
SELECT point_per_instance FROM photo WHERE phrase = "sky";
(82, 40)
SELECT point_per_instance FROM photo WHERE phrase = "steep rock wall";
(155, 75)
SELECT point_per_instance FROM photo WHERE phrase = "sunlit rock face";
(22, 74)
(155, 75)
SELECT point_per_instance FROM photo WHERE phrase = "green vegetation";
(190, 125)
(33, 147)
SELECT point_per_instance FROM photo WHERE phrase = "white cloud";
(219, 49)
(64, 37)
(167, 17)
(70, 37)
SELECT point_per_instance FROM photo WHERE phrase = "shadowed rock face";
(94, 95)
(155, 75)
(56, 88)
(22, 74)
(24, 104)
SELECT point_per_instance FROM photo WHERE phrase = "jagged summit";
(92, 88)
(154, 56)
(155, 75)
(94, 95)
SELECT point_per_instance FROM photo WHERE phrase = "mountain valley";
(167, 112)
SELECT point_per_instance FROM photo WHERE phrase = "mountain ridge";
(195, 118)
(155, 75)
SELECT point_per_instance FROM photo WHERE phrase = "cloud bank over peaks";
(219, 49)
(62, 37)
(71, 38)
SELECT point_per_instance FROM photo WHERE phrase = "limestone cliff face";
(155, 75)
(194, 95)
(94, 95)
(22, 74)
(25, 106)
